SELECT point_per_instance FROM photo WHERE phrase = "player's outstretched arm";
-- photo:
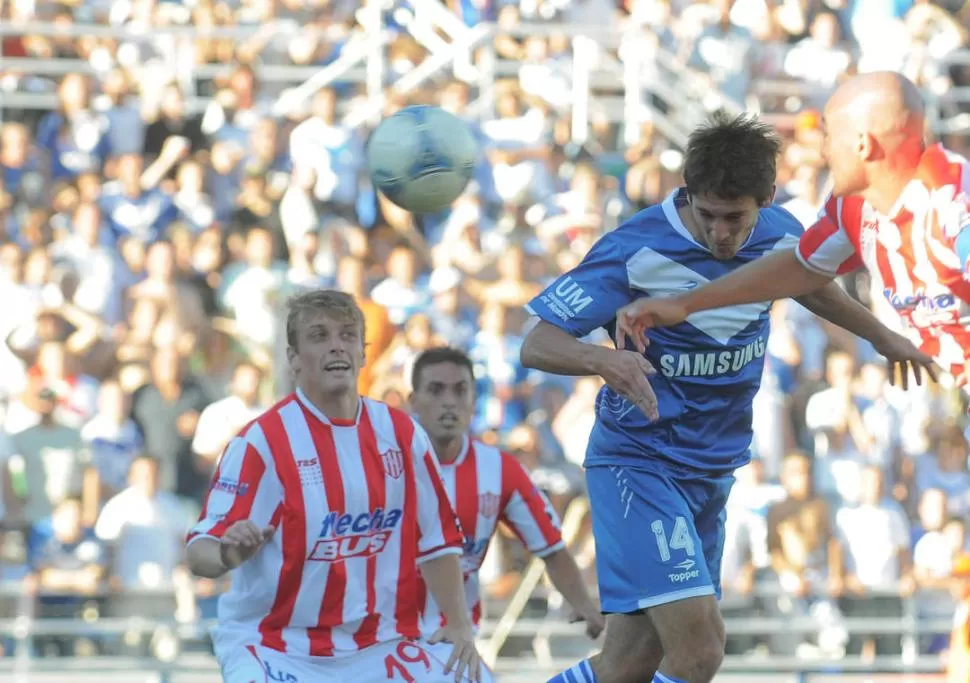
(776, 276)
(551, 349)
(831, 303)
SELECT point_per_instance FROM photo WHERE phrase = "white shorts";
(397, 661)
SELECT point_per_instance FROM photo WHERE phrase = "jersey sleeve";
(587, 297)
(826, 247)
(956, 226)
(244, 486)
(439, 530)
(527, 511)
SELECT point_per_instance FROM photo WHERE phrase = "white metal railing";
(595, 71)
(449, 43)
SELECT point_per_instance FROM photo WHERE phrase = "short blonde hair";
(330, 302)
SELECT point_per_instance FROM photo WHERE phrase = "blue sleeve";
(47, 131)
(587, 297)
(168, 215)
(962, 246)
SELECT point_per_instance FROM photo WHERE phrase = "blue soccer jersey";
(708, 367)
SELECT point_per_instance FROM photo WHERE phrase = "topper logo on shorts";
(687, 572)
(344, 536)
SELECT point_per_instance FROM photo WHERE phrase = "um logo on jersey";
(344, 536)
(566, 299)
(711, 363)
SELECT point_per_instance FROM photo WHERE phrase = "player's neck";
(688, 220)
(447, 450)
(889, 179)
(335, 406)
(883, 196)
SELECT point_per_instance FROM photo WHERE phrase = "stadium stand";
(171, 170)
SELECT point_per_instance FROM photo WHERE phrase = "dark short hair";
(437, 356)
(732, 157)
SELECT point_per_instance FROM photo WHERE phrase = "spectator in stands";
(746, 528)
(194, 205)
(958, 656)
(52, 457)
(333, 151)
(453, 318)
(134, 205)
(144, 527)
(167, 412)
(841, 441)
(250, 293)
(821, 58)
(877, 566)
(574, 421)
(74, 137)
(805, 557)
(89, 252)
(173, 121)
(222, 420)
(401, 292)
(946, 469)
(70, 564)
(21, 167)
(725, 52)
(934, 555)
(112, 438)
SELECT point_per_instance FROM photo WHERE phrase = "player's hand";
(634, 319)
(595, 621)
(464, 656)
(241, 541)
(901, 354)
(626, 373)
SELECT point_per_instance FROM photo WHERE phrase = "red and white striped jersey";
(488, 486)
(357, 507)
(910, 254)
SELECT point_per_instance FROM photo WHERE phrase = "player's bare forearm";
(551, 349)
(565, 576)
(204, 558)
(447, 585)
(833, 304)
(777, 276)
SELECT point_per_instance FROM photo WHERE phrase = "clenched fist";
(241, 541)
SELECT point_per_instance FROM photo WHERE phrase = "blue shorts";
(659, 533)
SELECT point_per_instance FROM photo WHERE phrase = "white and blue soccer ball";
(421, 158)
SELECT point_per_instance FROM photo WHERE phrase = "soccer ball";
(421, 158)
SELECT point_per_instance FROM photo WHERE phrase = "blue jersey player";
(660, 459)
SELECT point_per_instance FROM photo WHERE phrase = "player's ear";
(293, 359)
(866, 146)
(771, 197)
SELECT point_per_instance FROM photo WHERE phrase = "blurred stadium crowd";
(147, 245)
